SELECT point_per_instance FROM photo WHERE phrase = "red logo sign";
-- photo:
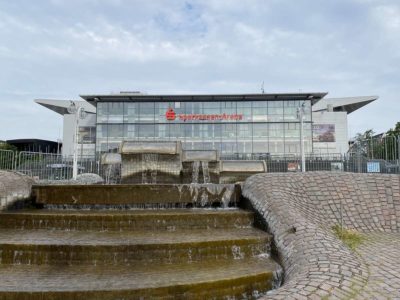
(170, 114)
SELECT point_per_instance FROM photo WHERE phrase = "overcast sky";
(62, 48)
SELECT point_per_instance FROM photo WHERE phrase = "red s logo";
(170, 114)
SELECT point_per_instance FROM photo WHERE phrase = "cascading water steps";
(197, 253)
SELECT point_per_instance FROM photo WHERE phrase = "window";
(115, 131)
(260, 130)
(102, 112)
(275, 111)
(130, 112)
(228, 131)
(146, 112)
(244, 131)
(146, 131)
(130, 131)
(87, 135)
(115, 112)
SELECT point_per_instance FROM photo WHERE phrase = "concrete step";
(127, 220)
(240, 279)
(136, 195)
(129, 247)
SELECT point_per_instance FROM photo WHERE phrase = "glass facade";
(268, 126)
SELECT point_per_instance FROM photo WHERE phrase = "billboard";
(324, 133)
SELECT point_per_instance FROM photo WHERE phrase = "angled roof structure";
(347, 104)
(61, 106)
(135, 96)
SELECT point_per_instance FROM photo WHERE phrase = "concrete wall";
(339, 119)
(68, 134)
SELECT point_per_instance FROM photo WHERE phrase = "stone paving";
(300, 210)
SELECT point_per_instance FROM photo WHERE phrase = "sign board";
(324, 133)
(293, 167)
(337, 166)
(170, 115)
(373, 167)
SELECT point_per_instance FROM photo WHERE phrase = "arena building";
(233, 124)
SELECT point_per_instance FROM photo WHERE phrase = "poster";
(373, 167)
(293, 167)
(324, 133)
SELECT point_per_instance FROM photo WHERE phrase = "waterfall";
(195, 171)
(144, 168)
(206, 172)
(153, 168)
(149, 164)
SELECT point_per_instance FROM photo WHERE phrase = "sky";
(60, 49)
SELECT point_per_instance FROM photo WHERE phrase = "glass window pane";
(146, 131)
(115, 112)
(130, 112)
(146, 112)
(102, 112)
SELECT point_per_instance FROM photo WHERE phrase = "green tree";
(5, 146)
(361, 143)
(392, 142)
(383, 146)
(7, 157)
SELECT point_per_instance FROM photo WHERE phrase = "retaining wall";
(14, 186)
(301, 209)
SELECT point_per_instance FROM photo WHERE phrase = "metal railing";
(47, 166)
(7, 159)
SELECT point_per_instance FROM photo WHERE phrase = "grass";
(350, 238)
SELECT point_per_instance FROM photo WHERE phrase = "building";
(330, 134)
(36, 145)
(241, 124)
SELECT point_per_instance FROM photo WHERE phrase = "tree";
(5, 146)
(382, 146)
(360, 143)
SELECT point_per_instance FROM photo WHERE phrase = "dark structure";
(36, 145)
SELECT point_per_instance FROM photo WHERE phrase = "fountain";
(149, 165)
(238, 170)
(200, 166)
(159, 159)
(195, 171)
(165, 232)
(111, 163)
(206, 172)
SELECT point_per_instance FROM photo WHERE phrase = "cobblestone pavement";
(300, 210)
(381, 253)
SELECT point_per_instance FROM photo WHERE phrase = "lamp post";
(300, 115)
(79, 113)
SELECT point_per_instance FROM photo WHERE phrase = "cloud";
(66, 48)
(388, 16)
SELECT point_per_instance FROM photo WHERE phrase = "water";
(195, 171)
(149, 164)
(206, 172)
(277, 278)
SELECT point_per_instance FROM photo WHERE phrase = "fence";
(378, 147)
(46, 166)
(7, 159)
